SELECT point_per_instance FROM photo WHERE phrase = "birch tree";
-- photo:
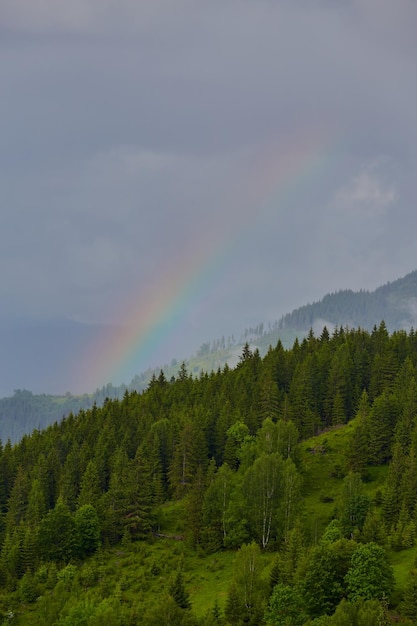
(263, 488)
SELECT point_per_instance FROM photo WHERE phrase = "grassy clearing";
(402, 562)
(170, 518)
(324, 468)
(208, 580)
(323, 463)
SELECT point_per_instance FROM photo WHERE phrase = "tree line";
(394, 302)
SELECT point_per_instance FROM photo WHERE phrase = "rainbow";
(156, 313)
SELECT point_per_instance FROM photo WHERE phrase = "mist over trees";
(394, 302)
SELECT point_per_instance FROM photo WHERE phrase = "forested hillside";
(216, 500)
(395, 303)
(25, 411)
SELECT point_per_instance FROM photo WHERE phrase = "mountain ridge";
(394, 302)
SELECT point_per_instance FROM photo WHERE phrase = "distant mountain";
(25, 411)
(395, 303)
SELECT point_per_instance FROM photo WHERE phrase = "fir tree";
(178, 591)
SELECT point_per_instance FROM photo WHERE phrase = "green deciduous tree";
(214, 509)
(235, 436)
(263, 487)
(166, 611)
(291, 496)
(354, 505)
(87, 527)
(245, 604)
(286, 607)
(370, 575)
(57, 535)
(324, 581)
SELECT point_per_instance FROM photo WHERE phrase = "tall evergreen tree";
(18, 500)
(358, 447)
(90, 490)
(178, 591)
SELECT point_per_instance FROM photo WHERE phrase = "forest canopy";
(226, 447)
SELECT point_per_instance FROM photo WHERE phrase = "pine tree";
(357, 452)
(392, 495)
(194, 508)
(303, 398)
(288, 558)
(149, 450)
(90, 490)
(338, 410)
(374, 529)
(338, 391)
(226, 417)
(178, 591)
(11, 565)
(141, 515)
(18, 500)
(234, 610)
(36, 503)
(381, 424)
(69, 481)
(409, 604)
(29, 556)
(6, 474)
(190, 452)
(269, 398)
(129, 497)
(409, 478)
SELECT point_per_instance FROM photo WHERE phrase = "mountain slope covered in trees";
(395, 303)
(225, 473)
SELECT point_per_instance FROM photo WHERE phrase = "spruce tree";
(178, 591)
(409, 603)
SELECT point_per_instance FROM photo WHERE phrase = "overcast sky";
(273, 141)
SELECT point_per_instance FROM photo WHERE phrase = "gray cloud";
(134, 133)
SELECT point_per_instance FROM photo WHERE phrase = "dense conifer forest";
(394, 302)
(281, 491)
